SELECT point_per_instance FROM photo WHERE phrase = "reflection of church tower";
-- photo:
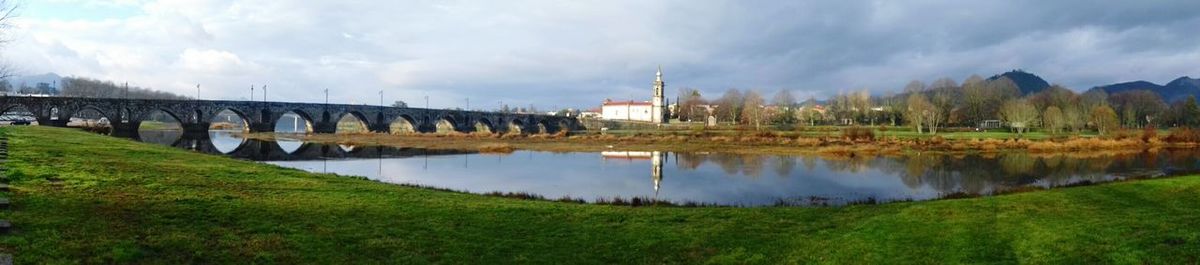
(656, 170)
(658, 110)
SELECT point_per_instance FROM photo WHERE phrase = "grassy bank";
(96, 199)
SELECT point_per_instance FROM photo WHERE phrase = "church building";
(654, 111)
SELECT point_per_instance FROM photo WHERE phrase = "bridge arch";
(352, 122)
(482, 125)
(543, 126)
(169, 119)
(8, 111)
(515, 126)
(403, 124)
(445, 124)
(222, 120)
(300, 118)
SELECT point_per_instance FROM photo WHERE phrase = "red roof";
(623, 103)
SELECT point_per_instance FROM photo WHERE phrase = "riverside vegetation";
(818, 140)
(81, 197)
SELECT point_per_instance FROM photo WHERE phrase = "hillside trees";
(92, 88)
(1138, 107)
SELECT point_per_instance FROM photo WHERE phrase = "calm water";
(711, 178)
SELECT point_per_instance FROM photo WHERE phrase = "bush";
(859, 134)
(1184, 135)
(1149, 133)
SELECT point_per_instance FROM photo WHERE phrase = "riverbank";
(96, 199)
(849, 144)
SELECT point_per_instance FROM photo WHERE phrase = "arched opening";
(445, 125)
(54, 113)
(516, 127)
(90, 119)
(289, 146)
(17, 115)
(483, 126)
(293, 122)
(351, 123)
(542, 127)
(125, 113)
(159, 120)
(228, 121)
(402, 125)
(225, 130)
(160, 127)
(564, 126)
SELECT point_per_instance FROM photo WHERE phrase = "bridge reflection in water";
(711, 178)
(225, 143)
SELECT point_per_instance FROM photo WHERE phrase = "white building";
(654, 110)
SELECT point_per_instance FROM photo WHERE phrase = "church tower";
(658, 112)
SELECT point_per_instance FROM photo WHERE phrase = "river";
(702, 178)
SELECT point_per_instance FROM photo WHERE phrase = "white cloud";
(579, 52)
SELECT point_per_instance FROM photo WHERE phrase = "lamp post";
(426, 101)
(251, 92)
(264, 93)
(197, 91)
(381, 98)
(326, 96)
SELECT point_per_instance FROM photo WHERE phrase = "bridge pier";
(257, 127)
(324, 127)
(125, 129)
(196, 130)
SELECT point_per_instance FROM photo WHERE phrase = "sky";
(559, 54)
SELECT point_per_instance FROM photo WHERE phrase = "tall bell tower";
(658, 112)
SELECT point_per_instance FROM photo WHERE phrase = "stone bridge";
(195, 116)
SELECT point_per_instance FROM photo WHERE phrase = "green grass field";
(83, 198)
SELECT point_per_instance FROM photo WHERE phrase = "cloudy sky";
(577, 53)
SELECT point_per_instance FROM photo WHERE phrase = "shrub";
(859, 134)
(1184, 135)
(1149, 133)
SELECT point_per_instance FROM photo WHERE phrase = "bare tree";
(918, 109)
(1019, 114)
(690, 101)
(8, 11)
(1105, 119)
(785, 104)
(729, 105)
(1052, 119)
(752, 109)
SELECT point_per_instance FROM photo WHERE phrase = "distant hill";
(1028, 83)
(33, 80)
(1177, 89)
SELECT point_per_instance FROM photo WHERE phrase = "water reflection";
(713, 178)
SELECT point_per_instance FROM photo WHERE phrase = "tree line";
(926, 108)
(88, 88)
